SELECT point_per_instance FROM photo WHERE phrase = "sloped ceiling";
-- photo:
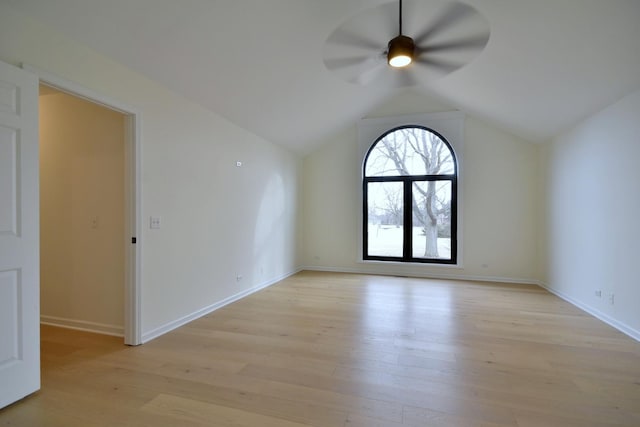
(259, 63)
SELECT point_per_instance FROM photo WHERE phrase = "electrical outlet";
(611, 299)
(238, 277)
(598, 293)
(155, 222)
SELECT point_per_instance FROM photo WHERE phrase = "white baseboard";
(83, 325)
(622, 327)
(148, 336)
(428, 275)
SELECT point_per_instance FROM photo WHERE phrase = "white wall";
(499, 203)
(593, 209)
(81, 214)
(217, 220)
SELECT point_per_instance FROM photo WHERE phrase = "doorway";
(81, 214)
(97, 255)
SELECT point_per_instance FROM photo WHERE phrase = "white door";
(19, 235)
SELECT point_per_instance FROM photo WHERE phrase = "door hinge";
(133, 240)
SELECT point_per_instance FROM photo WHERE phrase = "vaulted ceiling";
(259, 63)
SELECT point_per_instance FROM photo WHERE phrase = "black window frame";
(408, 181)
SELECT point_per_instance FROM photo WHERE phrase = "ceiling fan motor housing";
(400, 51)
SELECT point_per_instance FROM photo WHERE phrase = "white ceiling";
(259, 63)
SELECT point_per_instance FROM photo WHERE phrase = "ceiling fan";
(445, 36)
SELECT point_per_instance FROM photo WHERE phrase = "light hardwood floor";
(326, 350)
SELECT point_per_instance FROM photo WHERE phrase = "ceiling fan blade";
(453, 13)
(440, 65)
(345, 37)
(473, 42)
(360, 70)
(335, 63)
(370, 74)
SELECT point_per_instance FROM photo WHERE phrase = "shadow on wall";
(269, 242)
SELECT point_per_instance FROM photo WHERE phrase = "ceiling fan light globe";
(400, 52)
(400, 61)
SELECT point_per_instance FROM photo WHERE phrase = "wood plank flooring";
(327, 350)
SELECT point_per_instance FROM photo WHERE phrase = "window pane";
(432, 219)
(410, 151)
(385, 212)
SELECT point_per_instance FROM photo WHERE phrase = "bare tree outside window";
(422, 167)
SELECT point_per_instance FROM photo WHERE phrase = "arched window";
(410, 198)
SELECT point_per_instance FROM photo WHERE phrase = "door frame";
(133, 195)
